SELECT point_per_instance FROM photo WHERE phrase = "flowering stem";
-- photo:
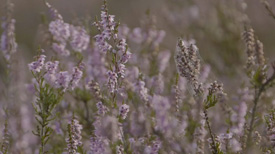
(256, 100)
(213, 144)
(268, 8)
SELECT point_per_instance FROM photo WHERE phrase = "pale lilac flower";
(50, 78)
(58, 128)
(51, 67)
(161, 106)
(60, 30)
(150, 35)
(107, 127)
(122, 46)
(236, 145)
(96, 69)
(107, 27)
(79, 38)
(36, 66)
(98, 146)
(125, 57)
(159, 37)
(123, 31)
(101, 109)
(8, 43)
(121, 70)
(60, 48)
(226, 136)
(54, 13)
(50, 75)
(62, 80)
(163, 60)
(142, 90)
(102, 44)
(123, 111)
(74, 140)
(112, 81)
(76, 76)
(156, 146)
(107, 22)
(154, 149)
(200, 137)
(30, 87)
(137, 35)
(239, 118)
(224, 139)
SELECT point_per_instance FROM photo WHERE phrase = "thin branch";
(268, 8)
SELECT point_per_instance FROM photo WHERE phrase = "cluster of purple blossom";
(61, 79)
(63, 32)
(127, 99)
(8, 44)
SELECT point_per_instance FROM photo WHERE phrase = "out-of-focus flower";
(62, 80)
(54, 13)
(79, 39)
(101, 109)
(60, 48)
(98, 146)
(137, 35)
(142, 90)
(239, 117)
(107, 127)
(201, 137)
(123, 31)
(163, 60)
(154, 149)
(159, 38)
(8, 43)
(161, 106)
(60, 30)
(236, 145)
(158, 83)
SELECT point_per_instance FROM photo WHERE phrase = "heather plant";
(100, 85)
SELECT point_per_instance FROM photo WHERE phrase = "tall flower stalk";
(257, 72)
(44, 105)
(188, 66)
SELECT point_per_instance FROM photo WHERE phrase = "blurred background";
(216, 25)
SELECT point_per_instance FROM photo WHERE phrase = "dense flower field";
(97, 86)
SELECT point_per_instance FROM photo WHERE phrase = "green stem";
(213, 144)
(256, 100)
